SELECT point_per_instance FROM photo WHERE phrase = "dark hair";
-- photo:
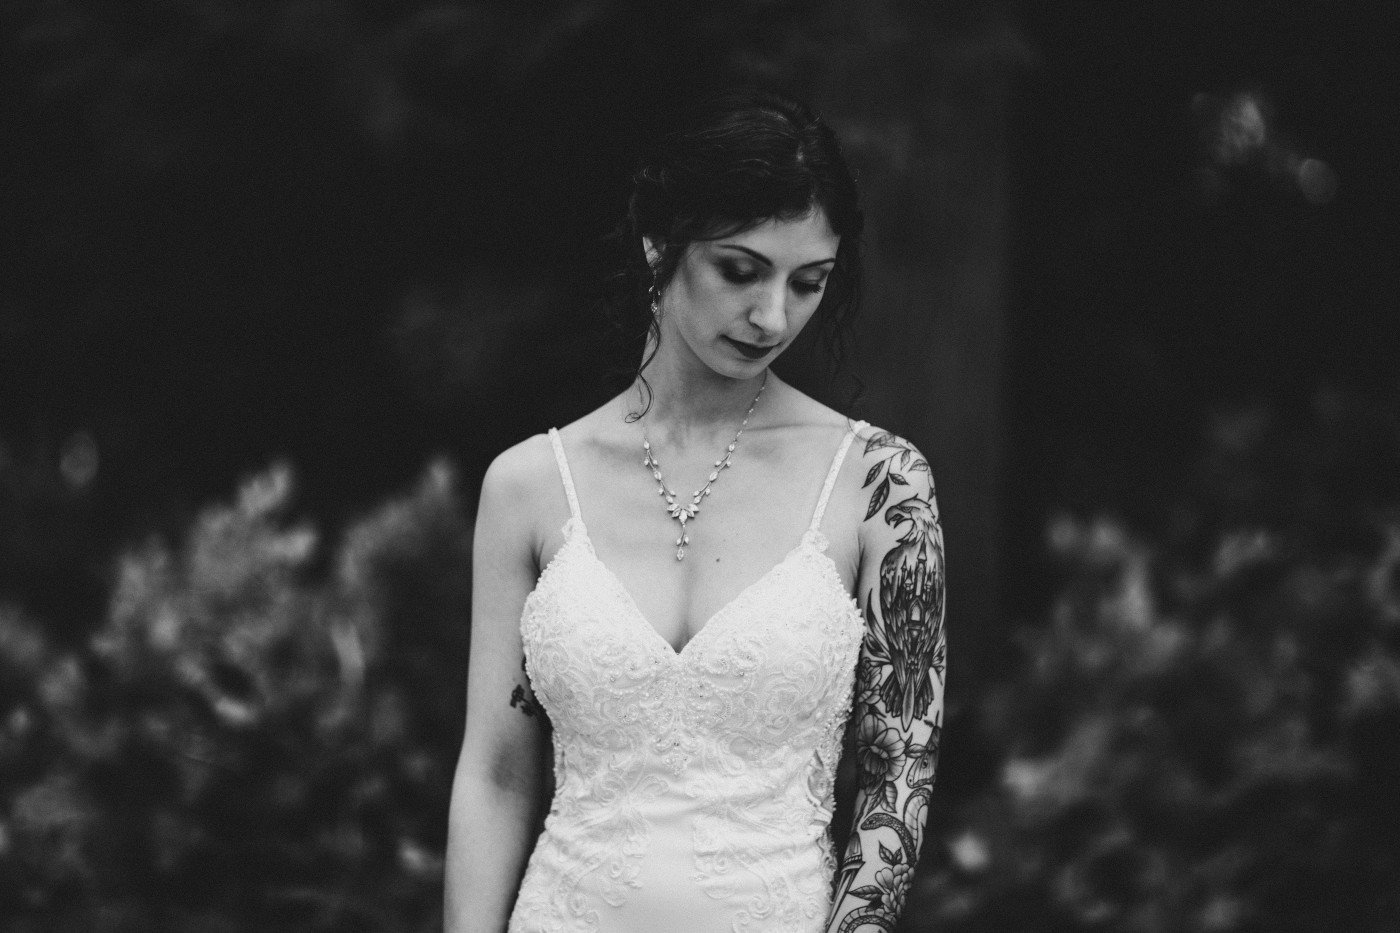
(743, 158)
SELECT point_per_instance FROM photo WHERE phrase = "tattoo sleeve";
(899, 690)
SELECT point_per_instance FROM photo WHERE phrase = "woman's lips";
(749, 350)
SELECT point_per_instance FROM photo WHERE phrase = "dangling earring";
(656, 300)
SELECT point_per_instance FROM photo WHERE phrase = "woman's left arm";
(899, 685)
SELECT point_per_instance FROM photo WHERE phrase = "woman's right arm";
(498, 788)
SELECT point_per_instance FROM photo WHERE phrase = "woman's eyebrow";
(768, 262)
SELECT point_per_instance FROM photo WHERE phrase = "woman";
(698, 654)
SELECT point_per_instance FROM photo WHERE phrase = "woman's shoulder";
(883, 470)
(533, 463)
(889, 460)
(517, 472)
(874, 442)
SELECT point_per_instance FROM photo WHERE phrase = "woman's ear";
(652, 251)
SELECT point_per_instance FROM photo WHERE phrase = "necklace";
(684, 513)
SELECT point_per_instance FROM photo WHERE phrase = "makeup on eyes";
(744, 276)
(736, 273)
(740, 273)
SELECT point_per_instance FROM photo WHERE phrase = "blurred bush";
(1204, 734)
(260, 735)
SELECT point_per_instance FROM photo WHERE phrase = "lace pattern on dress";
(745, 723)
(767, 770)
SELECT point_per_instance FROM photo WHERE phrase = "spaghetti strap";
(831, 474)
(565, 475)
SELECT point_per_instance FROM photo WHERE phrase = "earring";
(655, 300)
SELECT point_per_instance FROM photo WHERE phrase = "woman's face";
(735, 303)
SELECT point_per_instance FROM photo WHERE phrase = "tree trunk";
(924, 110)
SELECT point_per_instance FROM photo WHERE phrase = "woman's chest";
(775, 656)
(729, 547)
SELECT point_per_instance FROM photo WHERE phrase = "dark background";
(280, 278)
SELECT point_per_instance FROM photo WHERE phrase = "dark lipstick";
(751, 351)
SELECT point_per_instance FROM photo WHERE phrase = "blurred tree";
(924, 97)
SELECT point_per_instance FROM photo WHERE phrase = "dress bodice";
(693, 788)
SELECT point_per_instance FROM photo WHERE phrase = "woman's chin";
(740, 369)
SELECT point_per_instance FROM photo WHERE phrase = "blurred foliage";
(1202, 735)
(247, 741)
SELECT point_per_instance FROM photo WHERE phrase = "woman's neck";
(694, 403)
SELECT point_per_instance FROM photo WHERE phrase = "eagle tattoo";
(907, 639)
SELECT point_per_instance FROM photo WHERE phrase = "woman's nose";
(769, 313)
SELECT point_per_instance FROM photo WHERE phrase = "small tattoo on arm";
(526, 703)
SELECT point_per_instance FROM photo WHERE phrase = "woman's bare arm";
(498, 788)
(899, 685)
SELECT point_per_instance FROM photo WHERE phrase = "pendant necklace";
(684, 513)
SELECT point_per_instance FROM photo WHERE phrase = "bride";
(682, 598)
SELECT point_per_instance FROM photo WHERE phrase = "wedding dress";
(693, 788)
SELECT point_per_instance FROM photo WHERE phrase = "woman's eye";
(808, 288)
(737, 275)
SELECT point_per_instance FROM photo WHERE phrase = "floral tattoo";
(899, 698)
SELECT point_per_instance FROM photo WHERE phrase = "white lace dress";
(693, 789)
